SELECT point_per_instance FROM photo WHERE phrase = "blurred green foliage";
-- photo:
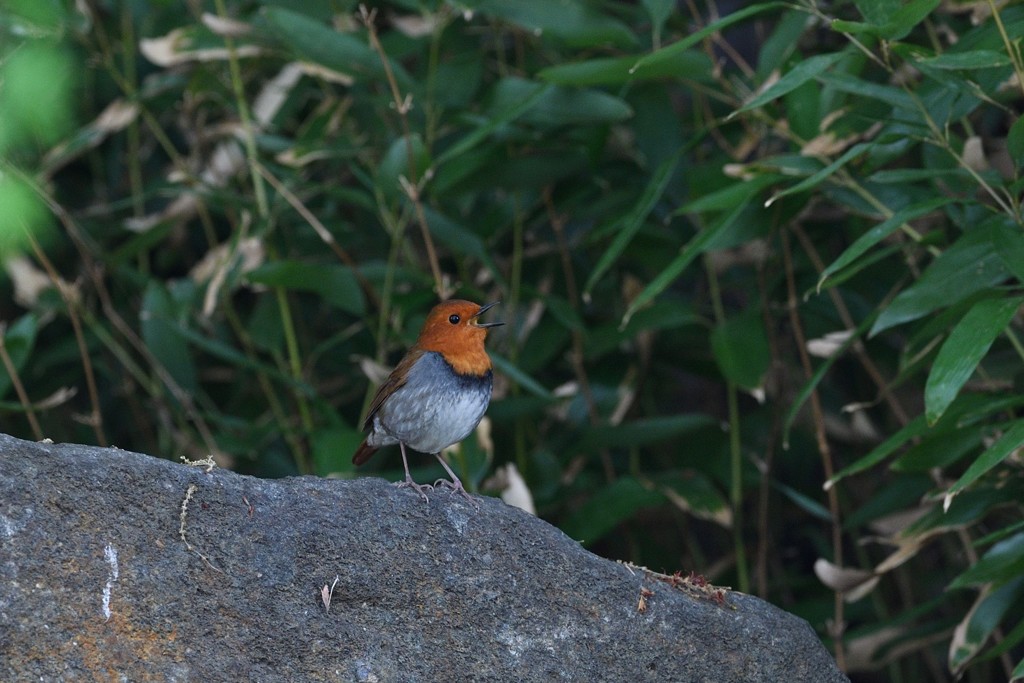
(743, 250)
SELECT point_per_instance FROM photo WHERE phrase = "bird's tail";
(363, 453)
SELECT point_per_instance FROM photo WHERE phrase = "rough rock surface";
(96, 583)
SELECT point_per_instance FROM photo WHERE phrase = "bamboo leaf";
(1011, 440)
(671, 51)
(966, 345)
(696, 246)
(634, 219)
(879, 233)
(804, 71)
(970, 265)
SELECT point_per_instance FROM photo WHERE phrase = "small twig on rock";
(694, 584)
(181, 526)
(206, 462)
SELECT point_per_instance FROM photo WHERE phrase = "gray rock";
(96, 583)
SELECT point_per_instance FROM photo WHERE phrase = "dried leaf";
(852, 583)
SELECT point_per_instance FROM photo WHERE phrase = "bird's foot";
(456, 487)
(418, 488)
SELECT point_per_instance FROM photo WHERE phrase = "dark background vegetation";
(742, 250)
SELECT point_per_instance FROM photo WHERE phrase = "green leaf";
(804, 71)
(691, 65)
(1011, 440)
(902, 21)
(969, 266)
(512, 111)
(879, 233)
(670, 52)
(316, 42)
(334, 283)
(967, 344)
(1009, 242)
(37, 80)
(660, 315)
(22, 213)
(631, 223)
(703, 241)
(1015, 142)
(18, 341)
(804, 502)
(697, 495)
(821, 176)
(966, 410)
(740, 346)
(573, 22)
(728, 197)
(658, 11)
(558, 106)
(563, 312)
(908, 175)
(965, 510)
(160, 333)
(816, 378)
(607, 507)
(461, 240)
(973, 59)
(395, 165)
(779, 47)
(642, 432)
(981, 620)
(878, 11)
(49, 15)
(505, 366)
(938, 449)
(844, 82)
(230, 354)
(914, 428)
(1002, 563)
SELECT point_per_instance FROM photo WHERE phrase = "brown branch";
(320, 229)
(576, 357)
(838, 626)
(412, 187)
(115, 318)
(19, 388)
(858, 346)
(95, 417)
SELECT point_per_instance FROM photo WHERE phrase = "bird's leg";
(409, 483)
(455, 484)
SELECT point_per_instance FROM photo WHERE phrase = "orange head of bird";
(454, 330)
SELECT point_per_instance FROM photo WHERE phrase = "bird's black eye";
(454, 319)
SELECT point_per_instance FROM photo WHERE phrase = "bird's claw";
(418, 488)
(456, 486)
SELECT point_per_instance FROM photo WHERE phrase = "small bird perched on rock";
(437, 393)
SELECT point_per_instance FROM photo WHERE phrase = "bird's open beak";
(483, 309)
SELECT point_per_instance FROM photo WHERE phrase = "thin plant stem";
(248, 132)
(412, 186)
(295, 368)
(19, 388)
(735, 444)
(95, 273)
(95, 416)
(576, 355)
(320, 229)
(838, 622)
(858, 346)
(1012, 47)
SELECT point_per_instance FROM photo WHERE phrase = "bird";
(437, 394)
